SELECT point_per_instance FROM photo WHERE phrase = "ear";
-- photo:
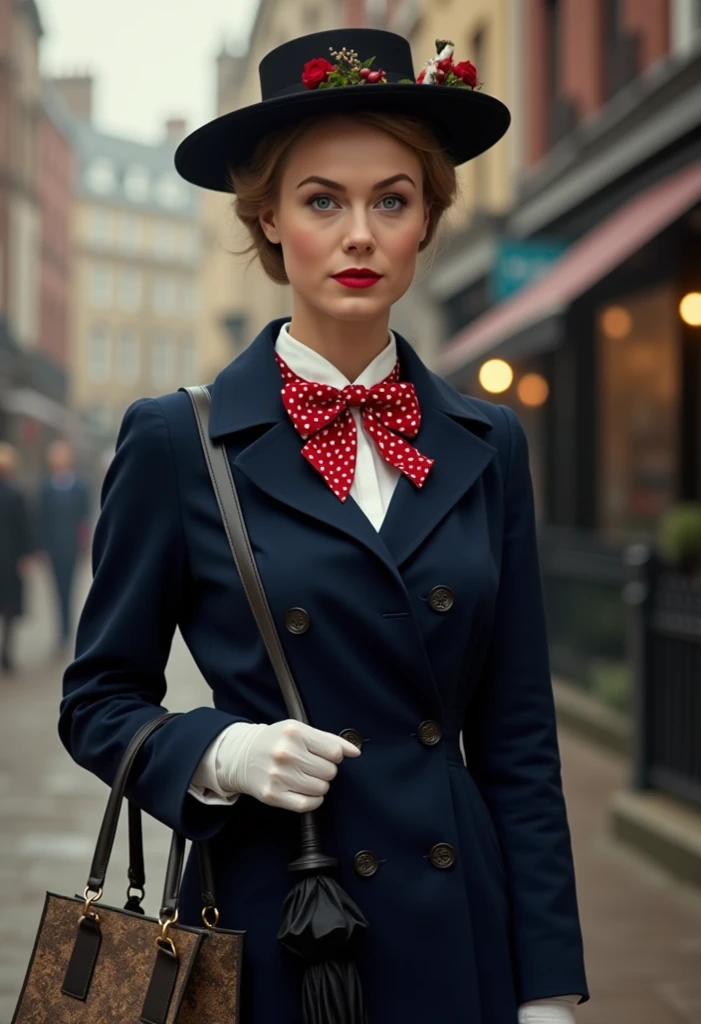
(426, 220)
(268, 223)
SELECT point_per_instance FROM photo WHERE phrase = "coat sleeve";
(512, 749)
(117, 680)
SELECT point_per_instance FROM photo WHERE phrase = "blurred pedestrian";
(14, 549)
(63, 526)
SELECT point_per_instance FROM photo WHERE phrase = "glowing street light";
(690, 309)
(533, 389)
(496, 376)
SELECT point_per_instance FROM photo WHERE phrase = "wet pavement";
(642, 930)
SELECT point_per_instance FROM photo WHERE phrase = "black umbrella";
(321, 924)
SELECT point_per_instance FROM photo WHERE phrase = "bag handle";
(228, 501)
(108, 828)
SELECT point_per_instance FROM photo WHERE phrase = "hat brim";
(465, 121)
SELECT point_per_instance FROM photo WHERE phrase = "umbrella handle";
(311, 859)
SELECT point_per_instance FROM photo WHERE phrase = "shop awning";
(584, 264)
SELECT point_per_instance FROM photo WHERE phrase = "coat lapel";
(246, 395)
(461, 457)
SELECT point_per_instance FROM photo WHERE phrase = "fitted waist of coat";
(451, 726)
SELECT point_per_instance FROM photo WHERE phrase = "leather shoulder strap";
(237, 535)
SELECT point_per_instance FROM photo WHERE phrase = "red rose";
(466, 72)
(421, 76)
(446, 64)
(316, 71)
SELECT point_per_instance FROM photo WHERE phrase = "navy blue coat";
(467, 943)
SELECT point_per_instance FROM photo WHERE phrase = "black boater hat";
(466, 121)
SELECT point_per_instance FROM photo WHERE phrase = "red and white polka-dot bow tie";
(322, 416)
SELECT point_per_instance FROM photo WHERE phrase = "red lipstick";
(357, 277)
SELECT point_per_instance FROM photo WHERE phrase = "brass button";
(430, 733)
(441, 599)
(297, 620)
(353, 736)
(442, 855)
(366, 863)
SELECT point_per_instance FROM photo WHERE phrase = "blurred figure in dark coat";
(63, 526)
(15, 546)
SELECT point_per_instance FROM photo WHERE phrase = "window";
(100, 354)
(101, 227)
(639, 353)
(129, 233)
(165, 295)
(165, 241)
(101, 287)
(130, 290)
(171, 192)
(136, 183)
(187, 370)
(128, 356)
(188, 298)
(187, 242)
(162, 367)
(101, 176)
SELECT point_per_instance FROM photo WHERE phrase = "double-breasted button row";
(441, 599)
(441, 856)
(353, 736)
(429, 733)
(366, 863)
(297, 620)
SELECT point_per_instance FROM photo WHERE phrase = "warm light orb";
(533, 389)
(690, 309)
(495, 376)
(616, 322)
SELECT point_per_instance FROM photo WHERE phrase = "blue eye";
(397, 201)
(322, 203)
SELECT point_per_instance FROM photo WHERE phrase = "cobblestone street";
(642, 931)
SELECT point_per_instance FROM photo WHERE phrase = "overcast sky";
(152, 59)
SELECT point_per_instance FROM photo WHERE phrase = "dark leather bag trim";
(83, 959)
(174, 873)
(108, 829)
(161, 987)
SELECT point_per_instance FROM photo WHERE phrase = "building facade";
(136, 249)
(237, 297)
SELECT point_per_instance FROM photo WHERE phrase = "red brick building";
(6, 25)
(55, 180)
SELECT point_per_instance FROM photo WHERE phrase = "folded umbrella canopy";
(321, 924)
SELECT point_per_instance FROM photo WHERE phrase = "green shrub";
(679, 536)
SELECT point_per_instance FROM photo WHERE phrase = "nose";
(359, 238)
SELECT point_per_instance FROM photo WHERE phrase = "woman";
(14, 549)
(392, 522)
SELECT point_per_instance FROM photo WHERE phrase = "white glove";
(287, 764)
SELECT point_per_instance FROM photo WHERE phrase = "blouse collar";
(312, 366)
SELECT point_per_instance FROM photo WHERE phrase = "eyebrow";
(327, 183)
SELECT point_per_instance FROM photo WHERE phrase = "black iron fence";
(665, 648)
(628, 629)
(583, 581)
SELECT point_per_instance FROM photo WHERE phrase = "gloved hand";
(286, 764)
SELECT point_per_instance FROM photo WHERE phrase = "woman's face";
(350, 198)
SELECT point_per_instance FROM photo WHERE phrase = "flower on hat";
(441, 69)
(348, 70)
(316, 71)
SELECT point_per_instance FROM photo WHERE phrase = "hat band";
(300, 87)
